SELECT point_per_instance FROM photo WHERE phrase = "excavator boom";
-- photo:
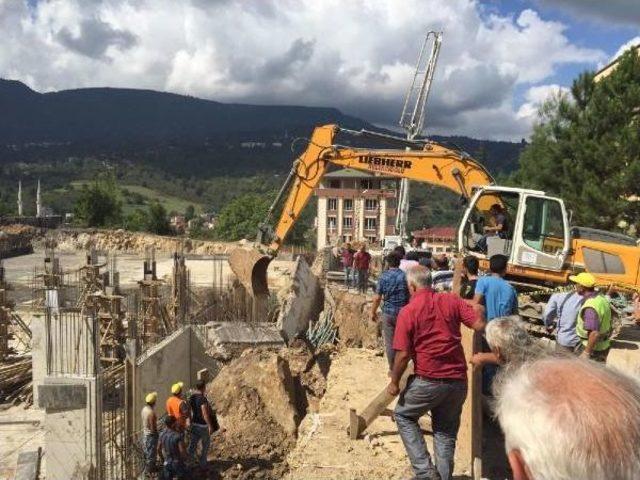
(422, 161)
(432, 163)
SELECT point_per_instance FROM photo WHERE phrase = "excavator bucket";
(250, 266)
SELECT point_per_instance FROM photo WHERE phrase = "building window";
(370, 223)
(334, 184)
(332, 223)
(332, 204)
(347, 204)
(347, 222)
(370, 204)
(346, 238)
(365, 184)
(372, 239)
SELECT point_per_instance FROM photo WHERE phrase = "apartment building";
(355, 206)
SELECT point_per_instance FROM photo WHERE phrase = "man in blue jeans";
(428, 332)
(202, 424)
(392, 291)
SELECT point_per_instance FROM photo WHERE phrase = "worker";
(593, 324)
(499, 227)
(346, 257)
(393, 292)
(428, 332)
(400, 250)
(149, 433)
(498, 296)
(177, 407)
(361, 261)
(570, 419)
(500, 300)
(562, 311)
(470, 266)
(172, 452)
(203, 424)
(410, 260)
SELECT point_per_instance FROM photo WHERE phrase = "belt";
(438, 380)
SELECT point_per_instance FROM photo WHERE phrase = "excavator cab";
(535, 229)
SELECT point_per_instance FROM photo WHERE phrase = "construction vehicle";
(542, 247)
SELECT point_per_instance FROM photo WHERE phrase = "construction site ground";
(21, 429)
(324, 450)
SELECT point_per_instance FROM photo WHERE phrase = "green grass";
(169, 202)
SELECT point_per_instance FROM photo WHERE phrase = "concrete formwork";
(71, 428)
(176, 358)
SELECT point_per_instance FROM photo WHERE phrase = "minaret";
(19, 198)
(38, 202)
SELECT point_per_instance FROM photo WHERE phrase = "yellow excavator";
(542, 247)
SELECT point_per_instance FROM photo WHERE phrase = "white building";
(355, 206)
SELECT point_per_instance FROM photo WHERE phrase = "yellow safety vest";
(601, 305)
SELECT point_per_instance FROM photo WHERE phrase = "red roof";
(439, 232)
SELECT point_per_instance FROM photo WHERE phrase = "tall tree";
(586, 148)
(99, 203)
(158, 220)
(241, 217)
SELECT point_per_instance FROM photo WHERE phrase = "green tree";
(158, 220)
(189, 212)
(241, 217)
(136, 221)
(99, 203)
(586, 148)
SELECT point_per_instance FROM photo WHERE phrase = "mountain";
(175, 132)
(108, 115)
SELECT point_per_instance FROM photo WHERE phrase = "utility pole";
(413, 114)
(38, 201)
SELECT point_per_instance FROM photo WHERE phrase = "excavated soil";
(261, 398)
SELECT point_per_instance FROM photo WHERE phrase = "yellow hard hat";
(151, 397)
(583, 278)
(177, 387)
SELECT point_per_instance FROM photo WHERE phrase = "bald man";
(569, 419)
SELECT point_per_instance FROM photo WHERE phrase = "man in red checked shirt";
(428, 332)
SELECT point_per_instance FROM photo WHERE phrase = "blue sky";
(499, 59)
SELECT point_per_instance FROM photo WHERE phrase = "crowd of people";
(552, 408)
(188, 421)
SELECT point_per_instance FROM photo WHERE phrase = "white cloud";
(536, 96)
(358, 55)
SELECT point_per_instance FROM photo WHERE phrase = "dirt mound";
(352, 316)
(261, 398)
(133, 242)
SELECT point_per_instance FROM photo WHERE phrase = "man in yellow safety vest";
(593, 325)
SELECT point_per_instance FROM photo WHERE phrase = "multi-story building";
(355, 206)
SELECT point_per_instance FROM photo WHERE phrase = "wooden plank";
(378, 406)
(469, 443)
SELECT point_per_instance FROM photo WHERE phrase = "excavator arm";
(432, 163)
(426, 162)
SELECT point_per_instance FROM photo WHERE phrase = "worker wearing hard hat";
(149, 433)
(593, 325)
(178, 407)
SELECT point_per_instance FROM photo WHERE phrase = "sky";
(498, 61)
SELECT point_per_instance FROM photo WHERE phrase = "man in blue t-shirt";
(392, 288)
(500, 300)
(498, 296)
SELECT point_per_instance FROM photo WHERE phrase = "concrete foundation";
(230, 339)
